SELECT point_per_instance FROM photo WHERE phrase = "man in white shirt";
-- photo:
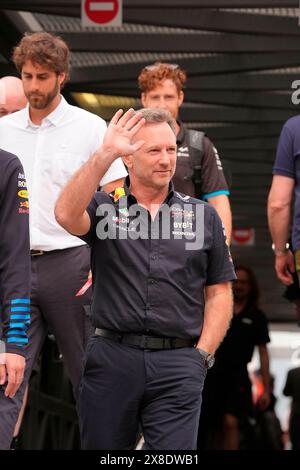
(52, 139)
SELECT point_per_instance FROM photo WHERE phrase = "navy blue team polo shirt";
(287, 163)
(151, 283)
(14, 255)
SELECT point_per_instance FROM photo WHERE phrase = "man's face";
(164, 96)
(41, 85)
(241, 287)
(153, 165)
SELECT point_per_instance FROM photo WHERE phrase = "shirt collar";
(52, 118)
(181, 134)
(132, 199)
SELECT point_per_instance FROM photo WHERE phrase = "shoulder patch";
(183, 197)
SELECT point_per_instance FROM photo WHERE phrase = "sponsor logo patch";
(23, 193)
(177, 212)
(183, 198)
(124, 211)
(183, 152)
(119, 192)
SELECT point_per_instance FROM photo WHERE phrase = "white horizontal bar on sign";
(103, 6)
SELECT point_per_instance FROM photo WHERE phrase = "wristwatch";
(209, 358)
(281, 251)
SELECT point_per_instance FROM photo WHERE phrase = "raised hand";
(121, 132)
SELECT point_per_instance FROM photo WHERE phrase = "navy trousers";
(125, 389)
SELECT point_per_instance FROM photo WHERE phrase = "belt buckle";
(144, 342)
(119, 337)
(37, 253)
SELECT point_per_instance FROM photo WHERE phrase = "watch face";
(210, 360)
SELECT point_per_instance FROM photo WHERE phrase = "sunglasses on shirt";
(155, 66)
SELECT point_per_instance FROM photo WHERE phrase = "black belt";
(146, 341)
(42, 252)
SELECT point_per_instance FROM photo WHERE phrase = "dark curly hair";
(44, 49)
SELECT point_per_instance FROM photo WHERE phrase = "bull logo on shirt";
(24, 207)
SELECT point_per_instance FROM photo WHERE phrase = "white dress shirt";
(50, 154)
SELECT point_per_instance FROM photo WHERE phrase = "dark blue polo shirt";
(154, 284)
(287, 163)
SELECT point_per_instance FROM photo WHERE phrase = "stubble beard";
(43, 100)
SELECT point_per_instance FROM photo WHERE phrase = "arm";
(265, 373)
(222, 205)
(14, 276)
(70, 209)
(279, 209)
(217, 316)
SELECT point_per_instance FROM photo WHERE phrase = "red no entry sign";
(243, 237)
(101, 12)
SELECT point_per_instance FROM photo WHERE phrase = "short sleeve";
(91, 210)
(284, 162)
(116, 171)
(220, 265)
(213, 181)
